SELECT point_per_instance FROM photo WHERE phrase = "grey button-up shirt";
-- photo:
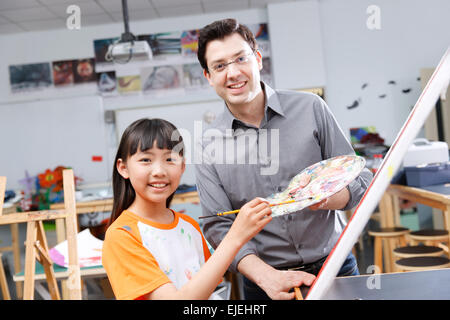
(238, 162)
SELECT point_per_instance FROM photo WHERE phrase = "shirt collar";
(272, 100)
(271, 103)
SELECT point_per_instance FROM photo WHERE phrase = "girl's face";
(154, 173)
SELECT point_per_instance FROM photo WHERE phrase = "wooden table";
(390, 210)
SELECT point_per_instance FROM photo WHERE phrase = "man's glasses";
(241, 60)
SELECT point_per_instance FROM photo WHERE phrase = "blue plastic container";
(427, 175)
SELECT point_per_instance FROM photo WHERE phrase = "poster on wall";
(107, 84)
(62, 73)
(189, 43)
(163, 45)
(159, 79)
(29, 77)
(193, 77)
(261, 33)
(83, 71)
(128, 84)
(100, 49)
(266, 71)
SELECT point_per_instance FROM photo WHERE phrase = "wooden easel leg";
(60, 237)
(30, 261)
(4, 282)
(47, 263)
(74, 279)
(16, 253)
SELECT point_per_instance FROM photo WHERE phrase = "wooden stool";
(393, 237)
(433, 237)
(422, 263)
(417, 251)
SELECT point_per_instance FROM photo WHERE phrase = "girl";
(151, 251)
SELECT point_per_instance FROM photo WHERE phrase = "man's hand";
(275, 283)
(338, 201)
(278, 283)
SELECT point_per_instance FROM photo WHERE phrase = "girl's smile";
(159, 186)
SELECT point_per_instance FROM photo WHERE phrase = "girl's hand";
(252, 217)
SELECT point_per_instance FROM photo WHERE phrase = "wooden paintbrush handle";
(298, 294)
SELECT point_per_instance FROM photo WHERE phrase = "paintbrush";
(272, 205)
(298, 294)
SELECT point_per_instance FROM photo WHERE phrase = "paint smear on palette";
(326, 178)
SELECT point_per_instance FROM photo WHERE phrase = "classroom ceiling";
(31, 15)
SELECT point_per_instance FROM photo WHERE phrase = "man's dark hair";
(219, 30)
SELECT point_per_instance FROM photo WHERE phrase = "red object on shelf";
(377, 160)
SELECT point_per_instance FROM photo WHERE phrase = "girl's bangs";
(155, 130)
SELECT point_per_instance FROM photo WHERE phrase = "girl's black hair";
(141, 135)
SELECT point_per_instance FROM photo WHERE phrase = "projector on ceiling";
(136, 50)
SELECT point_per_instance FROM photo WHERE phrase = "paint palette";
(327, 177)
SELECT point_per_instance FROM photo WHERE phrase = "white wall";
(413, 35)
(296, 41)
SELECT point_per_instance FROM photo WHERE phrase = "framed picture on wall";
(62, 73)
(163, 44)
(189, 42)
(161, 78)
(84, 71)
(26, 77)
(129, 84)
(101, 47)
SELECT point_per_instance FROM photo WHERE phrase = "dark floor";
(364, 255)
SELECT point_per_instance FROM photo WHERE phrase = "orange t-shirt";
(140, 255)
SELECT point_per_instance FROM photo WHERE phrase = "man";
(302, 131)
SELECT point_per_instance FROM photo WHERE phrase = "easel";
(3, 282)
(437, 86)
(36, 242)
